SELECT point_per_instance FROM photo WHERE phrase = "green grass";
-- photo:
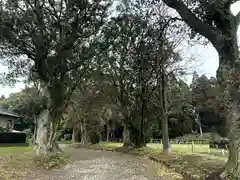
(199, 164)
(197, 149)
(15, 162)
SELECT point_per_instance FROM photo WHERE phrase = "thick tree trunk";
(198, 121)
(35, 130)
(126, 136)
(113, 138)
(43, 122)
(76, 135)
(46, 136)
(108, 132)
(230, 77)
(52, 141)
(85, 140)
(165, 136)
(232, 168)
(48, 120)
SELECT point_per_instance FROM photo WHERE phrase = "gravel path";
(101, 165)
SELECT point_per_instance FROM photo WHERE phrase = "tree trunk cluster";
(46, 133)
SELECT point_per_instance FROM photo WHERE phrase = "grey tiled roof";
(5, 113)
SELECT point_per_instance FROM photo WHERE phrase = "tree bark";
(48, 121)
(126, 136)
(165, 135)
(35, 130)
(232, 168)
(76, 135)
(52, 141)
(200, 129)
(108, 131)
(85, 140)
(229, 76)
(113, 132)
(43, 122)
(198, 121)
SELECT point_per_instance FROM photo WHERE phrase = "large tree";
(215, 21)
(55, 36)
(134, 42)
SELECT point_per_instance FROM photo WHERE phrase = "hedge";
(8, 137)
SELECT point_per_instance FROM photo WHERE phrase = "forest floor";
(17, 163)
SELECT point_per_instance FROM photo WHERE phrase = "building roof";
(5, 113)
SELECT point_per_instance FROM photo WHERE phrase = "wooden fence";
(182, 141)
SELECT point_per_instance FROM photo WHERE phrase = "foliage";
(2, 129)
(55, 160)
(29, 135)
(27, 104)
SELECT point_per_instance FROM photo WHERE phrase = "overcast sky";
(207, 61)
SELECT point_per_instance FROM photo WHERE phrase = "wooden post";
(192, 146)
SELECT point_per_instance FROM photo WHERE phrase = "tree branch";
(194, 22)
(238, 19)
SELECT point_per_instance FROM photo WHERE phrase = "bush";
(54, 160)
(3, 130)
(29, 135)
(94, 138)
(68, 137)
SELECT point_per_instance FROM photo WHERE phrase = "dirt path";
(101, 165)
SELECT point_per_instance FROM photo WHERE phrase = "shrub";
(54, 160)
(94, 138)
(29, 134)
(68, 137)
(2, 130)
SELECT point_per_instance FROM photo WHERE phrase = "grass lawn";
(18, 161)
(15, 162)
(199, 164)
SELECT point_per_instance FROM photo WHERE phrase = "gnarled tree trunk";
(46, 136)
(229, 78)
(42, 134)
(232, 168)
(48, 121)
(85, 140)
